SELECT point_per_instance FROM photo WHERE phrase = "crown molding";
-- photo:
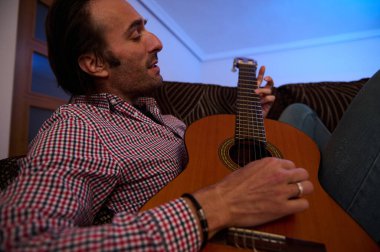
(185, 39)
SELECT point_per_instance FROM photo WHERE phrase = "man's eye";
(136, 36)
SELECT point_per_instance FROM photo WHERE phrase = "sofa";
(192, 101)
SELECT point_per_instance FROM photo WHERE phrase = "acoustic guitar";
(219, 144)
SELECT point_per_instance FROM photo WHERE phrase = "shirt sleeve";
(64, 181)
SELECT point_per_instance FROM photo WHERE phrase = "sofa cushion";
(328, 99)
(192, 101)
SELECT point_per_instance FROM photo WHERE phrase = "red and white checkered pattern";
(98, 152)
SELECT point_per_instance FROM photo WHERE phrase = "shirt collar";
(112, 102)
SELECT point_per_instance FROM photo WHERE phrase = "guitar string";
(250, 237)
(241, 150)
(258, 120)
(255, 105)
(254, 112)
(238, 134)
(252, 117)
(258, 112)
(250, 98)
(251, 113)
(243, 119)
(245, 123)
(248, 140)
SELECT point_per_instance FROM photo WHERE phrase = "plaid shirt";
(99, 152)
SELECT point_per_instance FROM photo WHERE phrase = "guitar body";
(324, 222)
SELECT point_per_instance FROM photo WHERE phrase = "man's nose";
(154, 43)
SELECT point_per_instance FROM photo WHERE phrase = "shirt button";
(135, 114)
(113, 101)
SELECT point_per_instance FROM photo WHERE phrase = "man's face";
(129, 42)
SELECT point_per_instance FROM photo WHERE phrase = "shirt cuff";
(177, 226)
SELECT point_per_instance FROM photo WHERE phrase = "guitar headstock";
(239, 61)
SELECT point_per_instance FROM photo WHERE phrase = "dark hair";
(70, 33)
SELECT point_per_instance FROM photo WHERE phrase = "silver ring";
(300, 189)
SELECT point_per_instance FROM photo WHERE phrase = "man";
(111, 148)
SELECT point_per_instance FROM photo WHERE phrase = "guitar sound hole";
(244, 151)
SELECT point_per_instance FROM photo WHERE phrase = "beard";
(133, 79)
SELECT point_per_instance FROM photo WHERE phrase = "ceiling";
(214, 29)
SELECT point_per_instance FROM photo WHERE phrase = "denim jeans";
(305, 119)
(350, 165)
(350, 156)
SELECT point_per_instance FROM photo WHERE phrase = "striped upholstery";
(8, 171)
(192, 101)
(328, 99)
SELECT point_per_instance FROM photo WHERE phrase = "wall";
(8, 31)
(344, 61)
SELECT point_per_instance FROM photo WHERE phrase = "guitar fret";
(250, 114)
(249, 117)
(257, 130)
(254, 138)
(248, 120)
(247, 85)
(250, 132)
(248, 79)
(250, 109)
(250, 94)
(253, 135)
(250, 105)
(244, 101)
(251, 123)
(247, 98)
(248, 89)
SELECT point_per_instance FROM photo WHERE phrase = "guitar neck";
(249, 115)
(263, 241)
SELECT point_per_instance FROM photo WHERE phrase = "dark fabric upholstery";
(192, 101)
(328, 99)
(8, 171)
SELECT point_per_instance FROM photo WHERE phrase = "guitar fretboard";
(249, 115)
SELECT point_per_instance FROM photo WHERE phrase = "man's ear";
(92, 65)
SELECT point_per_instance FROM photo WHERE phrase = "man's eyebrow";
(136, 24)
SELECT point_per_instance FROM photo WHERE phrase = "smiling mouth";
(155, 68)
(153, 65)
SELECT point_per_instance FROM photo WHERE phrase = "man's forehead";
(112, 10)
